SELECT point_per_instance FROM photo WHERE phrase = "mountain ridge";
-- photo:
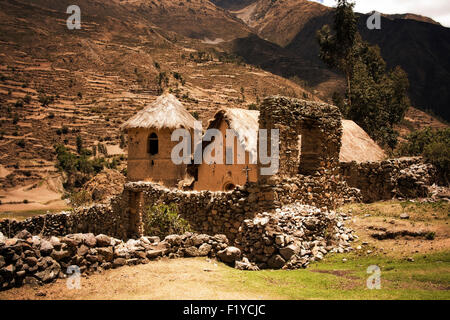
(420, 47)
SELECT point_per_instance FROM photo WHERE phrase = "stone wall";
(318, 124)
(404, 177)
(223, 212)
(111, 218)
(35, 260)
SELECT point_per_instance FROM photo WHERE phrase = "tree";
(337, 49)
(375, 99)
(79, 144)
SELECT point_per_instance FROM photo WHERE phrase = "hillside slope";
(57, 84)
(418, 44)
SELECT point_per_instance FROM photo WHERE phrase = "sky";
(438, 10)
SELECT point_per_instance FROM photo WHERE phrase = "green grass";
(426, 278)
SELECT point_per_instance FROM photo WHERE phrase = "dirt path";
(165, 279)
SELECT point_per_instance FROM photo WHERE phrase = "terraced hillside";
(57, 84)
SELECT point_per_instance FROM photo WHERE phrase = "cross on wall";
(247, 169)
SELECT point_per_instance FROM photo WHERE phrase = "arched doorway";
(229, 186)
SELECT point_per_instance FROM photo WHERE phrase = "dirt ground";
(182, 279)
(384, 216)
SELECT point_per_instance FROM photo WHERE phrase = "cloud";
(438, 10)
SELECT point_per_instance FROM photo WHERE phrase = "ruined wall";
(111, 219)
(320, 128)
(404, 177)
(207, 212)
(223, 212)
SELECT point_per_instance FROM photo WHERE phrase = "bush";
(21, 143)
(438, 154)
(19, 103)
(163, 220)
(45, 100)
(430, 236)
(81, 198)
(253, 106)
(195, 115)
(434, 146)
(27, 99)
(15, 119)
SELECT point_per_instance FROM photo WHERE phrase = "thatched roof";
(244, 122)
(165, 112)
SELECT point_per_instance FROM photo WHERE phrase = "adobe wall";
(142, 166)
(319, 125)
(214, 177)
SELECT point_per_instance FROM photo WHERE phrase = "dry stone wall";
(223, 212)
(293, 236)
(404, 177)
(35, 260)
(111, 218)
(320, 128)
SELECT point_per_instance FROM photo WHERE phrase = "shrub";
(45, 100)
(430, 236)
(79, 143)
(19, 103)
(81, 198)
(21, 143)
(27, 99)
(195, 114)
(434, 146)
(163, 220)
(438, 154)
(253, 107)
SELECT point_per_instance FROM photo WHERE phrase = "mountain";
(418, 44)
(233, 4)
(57, 84)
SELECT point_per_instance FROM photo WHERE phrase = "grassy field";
(428, 277)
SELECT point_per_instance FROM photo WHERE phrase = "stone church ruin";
(252, 221)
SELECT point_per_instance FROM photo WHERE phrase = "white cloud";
(438, 10)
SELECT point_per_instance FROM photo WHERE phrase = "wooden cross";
(247, 169)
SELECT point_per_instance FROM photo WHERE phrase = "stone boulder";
(229, 255)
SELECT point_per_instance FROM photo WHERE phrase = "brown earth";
(182, 279)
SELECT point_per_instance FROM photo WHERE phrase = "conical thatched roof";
(165, 112)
